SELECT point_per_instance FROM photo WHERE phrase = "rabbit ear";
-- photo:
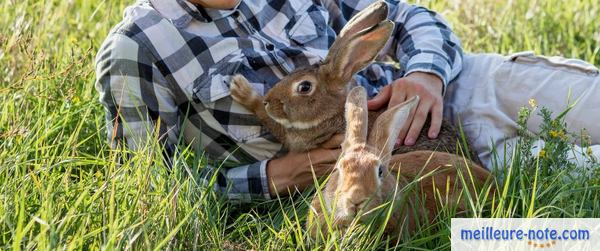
(351, 54)
(358, 43)
(356, 117)
(367, 18)
(387, 126)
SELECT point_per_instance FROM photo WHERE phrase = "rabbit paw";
(243, 93)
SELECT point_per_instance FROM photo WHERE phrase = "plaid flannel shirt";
(169, 62)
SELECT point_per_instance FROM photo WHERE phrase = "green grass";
(60, 186)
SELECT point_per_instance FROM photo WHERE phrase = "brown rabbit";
(365, 176)
(306, 107)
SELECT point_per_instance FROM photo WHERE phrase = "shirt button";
(270, 47)
(236, 14)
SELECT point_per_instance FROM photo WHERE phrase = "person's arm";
(422, 41)
(429, 54)
(135, 95)
(137, 99)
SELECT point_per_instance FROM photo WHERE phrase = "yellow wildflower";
(557, 134)
(589, 151)
(542, 153)
(532, 103)
(562, 135)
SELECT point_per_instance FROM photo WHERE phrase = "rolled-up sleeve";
(240, 184)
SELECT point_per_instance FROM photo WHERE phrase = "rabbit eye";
(304, 87)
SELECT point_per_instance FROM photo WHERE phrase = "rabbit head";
(367, 175)
(363, 180)
(293, 100)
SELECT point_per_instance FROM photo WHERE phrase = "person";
(164, 72)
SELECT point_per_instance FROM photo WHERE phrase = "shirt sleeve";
(139, 107)
(421, 42)
(240, 184)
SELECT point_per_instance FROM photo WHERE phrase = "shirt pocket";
(554, 63)
(525, 72)
(229, 117)
(213, 85)
(309, 26)
(524, 76)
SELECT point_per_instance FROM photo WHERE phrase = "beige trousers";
(491, 89)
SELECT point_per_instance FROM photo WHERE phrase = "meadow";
(60, 186)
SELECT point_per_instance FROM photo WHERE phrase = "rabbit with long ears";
(365, 176)
(305, 108)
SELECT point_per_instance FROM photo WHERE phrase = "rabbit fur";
(305, 108)
(312, 104)
(367, 175)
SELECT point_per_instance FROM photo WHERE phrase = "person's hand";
(429, 88)
(294, 171)
(334, 142)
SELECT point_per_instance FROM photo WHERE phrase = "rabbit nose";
(360, 203)
(356, 204)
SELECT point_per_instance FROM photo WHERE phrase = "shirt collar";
(182, 12)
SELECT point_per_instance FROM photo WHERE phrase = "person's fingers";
(436, 120)
(397, 99)
(334, 142)
(332, 155)
(398, 96)
(417, 124)
(380, 99)
(323, 169)
(321, 155)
